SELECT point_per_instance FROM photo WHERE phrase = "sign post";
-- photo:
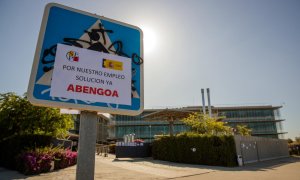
(86, 150)
(90, 63)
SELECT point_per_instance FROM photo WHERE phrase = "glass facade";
(264, 121)
(147, 131)
(253, 113)
(143, 129)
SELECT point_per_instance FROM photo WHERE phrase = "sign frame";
(113, 108)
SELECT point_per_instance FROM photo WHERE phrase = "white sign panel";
(91, 76)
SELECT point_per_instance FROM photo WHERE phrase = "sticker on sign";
(91, 76)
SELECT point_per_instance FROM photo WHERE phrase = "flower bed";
(43, 160)
(64, 158)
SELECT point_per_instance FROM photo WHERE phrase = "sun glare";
(149, 40)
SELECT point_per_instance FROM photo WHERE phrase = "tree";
(290, 141)
(297, 139)
(243, 130)
(18, 117)
(203, 124)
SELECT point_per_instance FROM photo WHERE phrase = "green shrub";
(294, 149)
(208, 149)
(12, 147)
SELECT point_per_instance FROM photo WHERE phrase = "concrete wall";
(254, 149)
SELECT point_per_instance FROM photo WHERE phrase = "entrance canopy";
(169, 115)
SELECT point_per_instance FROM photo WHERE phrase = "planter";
(138, 151)
(52, 166)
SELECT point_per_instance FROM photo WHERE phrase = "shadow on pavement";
(271, 164)
(6, 174)
(259, 166)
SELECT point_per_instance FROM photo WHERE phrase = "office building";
(264, 121)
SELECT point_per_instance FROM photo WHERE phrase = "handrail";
(102, 149)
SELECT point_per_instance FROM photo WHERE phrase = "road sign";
(77, 34)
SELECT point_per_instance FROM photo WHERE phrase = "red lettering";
(100, 91)
(93, 90)
(70, 88)
(78, 88)
(86, 90)
(115, 94)
(107, 92)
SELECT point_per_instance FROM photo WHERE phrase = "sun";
(149, 39)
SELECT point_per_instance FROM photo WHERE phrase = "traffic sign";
(87, 62)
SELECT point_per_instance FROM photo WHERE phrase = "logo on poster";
(112, 64)
(72, 56)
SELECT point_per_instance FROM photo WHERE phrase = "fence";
(254, 149)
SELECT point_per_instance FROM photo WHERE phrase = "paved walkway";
(146, 169)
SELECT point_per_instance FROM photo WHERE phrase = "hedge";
(196, 149)
(12, 147)
(294, 149)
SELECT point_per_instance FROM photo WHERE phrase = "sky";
(246, 52)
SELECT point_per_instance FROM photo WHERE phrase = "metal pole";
(150, 132)
(208, 101)
(203, 101)
(86, 147)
